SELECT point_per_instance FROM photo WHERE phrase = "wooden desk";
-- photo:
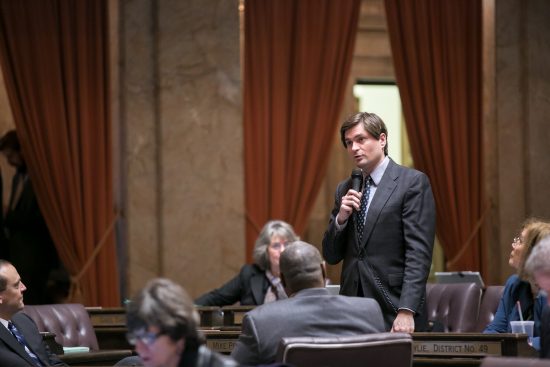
(233, 315)
(107, 316)
(466, 349)
(112, 338)
(429, 349)
(210, 316)
(471, 345)
(96, 358)
(99, 358)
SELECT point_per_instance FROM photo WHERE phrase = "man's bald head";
(301, 267)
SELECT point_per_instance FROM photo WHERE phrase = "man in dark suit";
(309, 311)
(384, 232)
(20, 342)
(29, 244)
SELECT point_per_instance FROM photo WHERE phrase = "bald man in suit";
(15, 325)
(385, 232)
(309, 311)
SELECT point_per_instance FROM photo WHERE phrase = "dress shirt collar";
(378, 172)
(4, 322)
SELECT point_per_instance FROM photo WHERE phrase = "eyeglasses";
(145, 337)
(278, 246)
(517, 241)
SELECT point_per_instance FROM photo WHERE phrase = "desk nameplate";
(221, 341)
(457, 348)
(108, 320)
(221, 345)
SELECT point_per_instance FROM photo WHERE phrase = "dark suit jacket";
(13, 354)
(392, 263)
(310, 312)
(30, 246)
(248, 288)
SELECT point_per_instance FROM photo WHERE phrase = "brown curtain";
(437, 55)
(55, 63)
(297, 61)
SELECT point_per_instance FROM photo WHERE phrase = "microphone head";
(356, 179)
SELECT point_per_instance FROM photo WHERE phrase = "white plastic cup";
(523, 327)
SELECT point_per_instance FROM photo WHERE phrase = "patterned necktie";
(21, 339)
(361, 215)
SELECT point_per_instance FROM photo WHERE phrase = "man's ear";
(383, 140)
(324, 271)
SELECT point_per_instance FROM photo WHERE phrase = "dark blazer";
(30, 246)
(392, 263)
(13, 354)
(310, 312)
(248, 288)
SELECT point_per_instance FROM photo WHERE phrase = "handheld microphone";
(357, 179)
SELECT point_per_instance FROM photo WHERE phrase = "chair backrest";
(455, 306)
(489, 304)
(69, 322)
(514, 362)
(378, 349)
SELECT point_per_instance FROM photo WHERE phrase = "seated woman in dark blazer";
(258, 283)
(519, 287)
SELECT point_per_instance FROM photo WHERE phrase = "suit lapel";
(385, 189)
(8, 338)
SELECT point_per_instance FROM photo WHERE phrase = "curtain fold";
(297, 63)
(436, 49)
(54, 55)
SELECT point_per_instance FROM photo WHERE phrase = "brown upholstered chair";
(454, 306)
(489, 304)
(378, 349)
(69, 322)
(514, 362)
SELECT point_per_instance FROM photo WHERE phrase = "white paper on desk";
(70, 350)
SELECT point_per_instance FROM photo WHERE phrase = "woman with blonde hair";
(519, 287)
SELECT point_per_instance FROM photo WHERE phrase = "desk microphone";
(356, 179)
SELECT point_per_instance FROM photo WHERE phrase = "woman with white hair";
(256, 283)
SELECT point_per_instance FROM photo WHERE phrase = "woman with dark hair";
(162, 324)
(258, 283)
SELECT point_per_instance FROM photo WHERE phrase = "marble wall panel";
(184, 156)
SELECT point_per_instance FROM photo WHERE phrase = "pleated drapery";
(297, 62)
(436, 49)
(54, 55)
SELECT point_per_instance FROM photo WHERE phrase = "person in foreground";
(538, 266)
(385, 231)
(162, 324)
(258, 283)
(309, 311)
(20, 341)
(518, 287)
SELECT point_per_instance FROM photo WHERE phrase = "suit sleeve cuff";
(408, 309)
(340, 227)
